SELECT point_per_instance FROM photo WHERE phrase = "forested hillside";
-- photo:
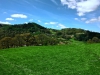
(32, 34)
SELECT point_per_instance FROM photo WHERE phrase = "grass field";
(73, 59)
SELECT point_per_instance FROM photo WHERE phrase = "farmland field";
(72, 59)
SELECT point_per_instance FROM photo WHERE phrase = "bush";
(95, 40)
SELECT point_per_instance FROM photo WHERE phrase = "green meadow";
(72, 59)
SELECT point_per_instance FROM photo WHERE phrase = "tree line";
(32, 34)
(27, 40)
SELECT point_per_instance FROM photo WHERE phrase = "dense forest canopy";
(32, 34)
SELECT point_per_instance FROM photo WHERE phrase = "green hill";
(12, 30)
(74, 59)
(32, 34)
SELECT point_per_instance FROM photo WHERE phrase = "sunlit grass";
(72, 59)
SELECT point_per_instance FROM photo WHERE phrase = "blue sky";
(56, 14)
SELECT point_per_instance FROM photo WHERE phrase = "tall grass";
(73, 59)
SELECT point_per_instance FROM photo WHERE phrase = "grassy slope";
(74, 59)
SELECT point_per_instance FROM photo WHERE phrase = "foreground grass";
(74, 59)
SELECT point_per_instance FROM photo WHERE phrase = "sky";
(56, 14)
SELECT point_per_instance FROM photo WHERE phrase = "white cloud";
(26, 22)
(4, 22)
(76, 19)
(82, 6)
(46, 23)
(10, 19)
(31, 20)
(71, 3)
(80, 14)
(39, 21)
(62, 26)
(83, 19)
(54, 2)
(87, 22)
(57, 24)
(53, 23)
(99, 18)
(92, 20)
(18, 16)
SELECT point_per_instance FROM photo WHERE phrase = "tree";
(95, 40)
(19, 41)
(5, 42)
(26, 37)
